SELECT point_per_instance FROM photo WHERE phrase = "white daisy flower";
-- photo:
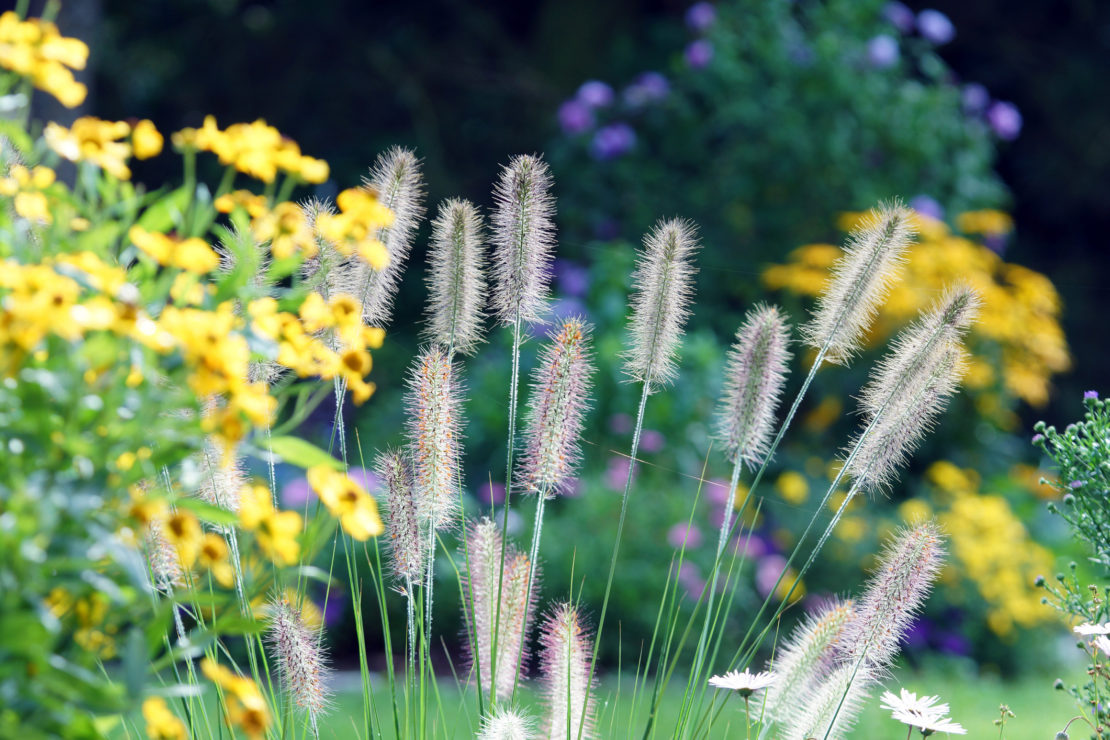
(1092, 629)
(1103, 643)
(932, 724)
(909, 703)
(743, 682)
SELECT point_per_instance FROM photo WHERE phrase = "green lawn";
(1040, 711)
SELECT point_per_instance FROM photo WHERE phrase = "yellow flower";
(793, 487)
(287, 231)
(254, 148)
(254, 205)
(354, 229)
(93, 140)
(914, 511)
(26, 186)
(213, 557)
(989, 222)
(356, 509)
(161, 723)
(183, 532)
(245, 705)
(276, 531)
(34, 48)
(191, 254)
(145, 140)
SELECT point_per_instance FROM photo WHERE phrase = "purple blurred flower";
(700, 16)
(616, 473)
(699, 53)
(928, 206)
(768, 572)
(689, 577)
(899, 16)
(750, 545)
(295, 493)
(935, 26)
(568, 306)
(716, 491)
(953, 643)
(491, 493)
(996, 242)
(649, 87)
(595, 94)
(652, 441)
(613, 141)
(975, 97)
(575, 117)
(574, 280)
(917, 636)
(1005, 119)
(334, 608)
(620, 423)
(1076, 484)
(882, 51)
(1090, 395)
(365, 478)
(607, 229)
(681, 534)
(1036, 438)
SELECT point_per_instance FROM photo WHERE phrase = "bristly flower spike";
(807, 656)
(829, 708)
(906, 573)
(755, 373)
(507, 724)
(663, 285)
(481, 610)
(523, 240)
(456, 285)
(859, 282)
(434, 413)
(908, 418)
(556, 410)
(399, 185)
(565, 668)
(299, 656)
(408, 552)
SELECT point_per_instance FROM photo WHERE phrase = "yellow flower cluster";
(90, 615)
(1018, 341)
(348, 501)
(101, 142)
(992, 548)
(35, 49)
(256, 149)
(276, 531)
(354, 230)
(26, 187)
(303, 349)
(161, 723)
(193, 254)
(245, 706)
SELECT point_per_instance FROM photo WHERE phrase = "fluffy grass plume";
(399, 185)
(754, 376)
(829, 708)
(221, 475)
(484, 544)
(910, 415)
(456, 284)
(860, 281)
(556, 410)
(295, 648)
(915, 348)
(806, 656)
(565, 667)
(523, 240)
(165, 566)
(407, 550)
(507, 724)
(662, 287)
(433, 407)
(896, 592)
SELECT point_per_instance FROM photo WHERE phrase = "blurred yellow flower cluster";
(992, 548)
(1017, 344)
(355, 228)
(275, 530)
(25, 187)
(161, 723)
(35, 49)
(284, 227)
(192, 254)
(256, 149)
(91, 139)
(246, 707)
(348, 501)
(90, 616)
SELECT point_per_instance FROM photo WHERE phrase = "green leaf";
(301, 453)
(208, 512)
(165, 213)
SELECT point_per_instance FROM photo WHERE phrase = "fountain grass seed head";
(482, 584)
(565, 667)
(299, 656)
(456, 285)
(829, 708)
(434, 409)
(166, 571)
(908, 417)
(807, 656)
(556, 410)
(507, 724)
(896, 592)
(859, 282)
(221, 475)
(523, 239)
(662, 288)
(407, 549)
(754, 376)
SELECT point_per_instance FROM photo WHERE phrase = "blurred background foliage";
(765, 121)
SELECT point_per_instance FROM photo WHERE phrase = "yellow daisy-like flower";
(145, 140)
(35, 49)
(183, 531)
(213, 557)
(161, 723)
(245, 705)
(193, 254)
(354, 229)
(356, 509)
(276, 531)
(93, 140)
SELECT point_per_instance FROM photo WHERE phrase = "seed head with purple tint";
(434, 412)
(565, 670)
(523, 240)
(407, 549)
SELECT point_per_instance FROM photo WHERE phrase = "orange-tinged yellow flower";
(354, 229)
(245, 706)
(145, 140)
(256, 149)
(93, 140)
(192, 254)
(286, 230)
(213, 558)
(35, 49)
(276, 531)
(183, 532)
(356, 509)
(253, 204)
(161, 723)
